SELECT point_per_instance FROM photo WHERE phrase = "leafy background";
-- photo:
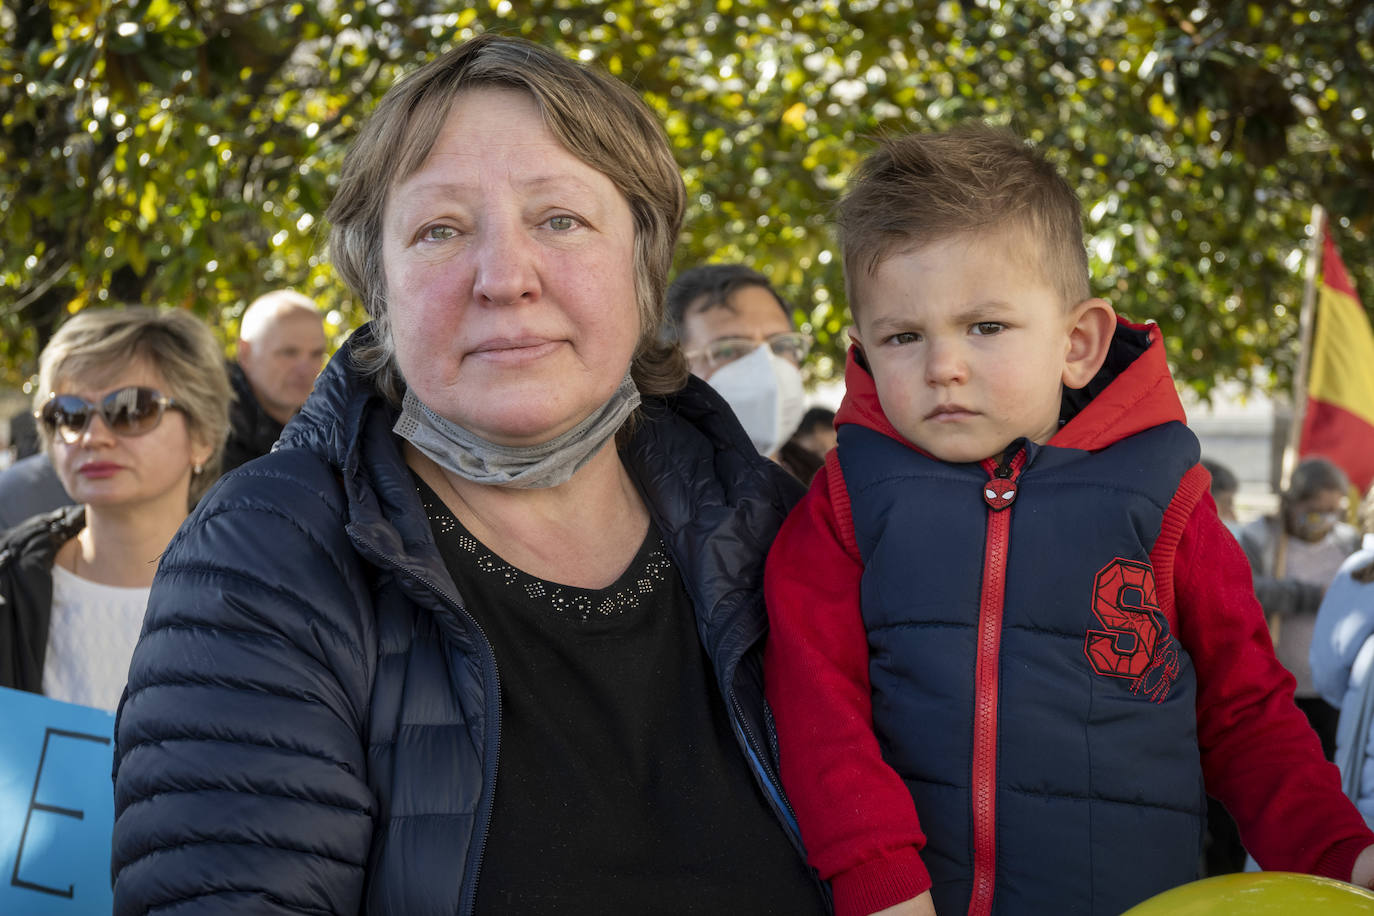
(183, 152)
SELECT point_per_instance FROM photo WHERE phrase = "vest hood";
(1132, 392)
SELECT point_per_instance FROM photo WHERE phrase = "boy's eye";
(905, 337)
(561, 223)
(987, 328)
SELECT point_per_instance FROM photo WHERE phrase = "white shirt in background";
(91, 639)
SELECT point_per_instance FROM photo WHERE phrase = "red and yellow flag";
(1339, 420)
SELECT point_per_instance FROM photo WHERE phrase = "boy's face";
(969, 345)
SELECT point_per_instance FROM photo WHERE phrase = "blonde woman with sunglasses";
(133, 408)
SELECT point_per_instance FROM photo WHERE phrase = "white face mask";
(765, 392)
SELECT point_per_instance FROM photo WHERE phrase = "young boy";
(1008, 597)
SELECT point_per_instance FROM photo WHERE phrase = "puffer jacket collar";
(1132, 392)
(717, 502)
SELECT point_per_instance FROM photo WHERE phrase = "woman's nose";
(96, 431)
(507, 265)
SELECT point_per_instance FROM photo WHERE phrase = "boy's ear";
(853, 332)
(1092, 323)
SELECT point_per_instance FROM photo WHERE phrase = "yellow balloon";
(1261, 893)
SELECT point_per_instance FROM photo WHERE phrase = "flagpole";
(1317, 232)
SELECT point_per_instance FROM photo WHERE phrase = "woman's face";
(510, 275)
(103, 469)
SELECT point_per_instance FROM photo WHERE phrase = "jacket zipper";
(781, 806)
(467, 895)
(999, 493)
(753, 750)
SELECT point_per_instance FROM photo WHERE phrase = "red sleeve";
(1260, 758)
(857, 818)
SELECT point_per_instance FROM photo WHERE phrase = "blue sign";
(56, 807)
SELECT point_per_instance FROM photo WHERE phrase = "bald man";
(280, 351)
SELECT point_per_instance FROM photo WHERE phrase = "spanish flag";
(1338, 422)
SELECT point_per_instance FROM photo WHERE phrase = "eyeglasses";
(791, 346)
(132, 411)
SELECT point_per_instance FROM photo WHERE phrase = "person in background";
(23, 432)
(737, 334)
(483, 634)
(133, 408)
(30, 487)
(1224, 488)
(1342, 658)
(280, 350)
(804, 454)
(1294, 555)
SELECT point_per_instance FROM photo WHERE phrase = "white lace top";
(91, 639)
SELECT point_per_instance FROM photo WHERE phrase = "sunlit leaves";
(142, 141)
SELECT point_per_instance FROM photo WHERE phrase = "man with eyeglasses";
(738, 336)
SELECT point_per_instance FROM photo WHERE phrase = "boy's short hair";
(923, 188)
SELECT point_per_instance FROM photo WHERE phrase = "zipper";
(744, 734)
(999, 493)
(467, 895)
(781, 806)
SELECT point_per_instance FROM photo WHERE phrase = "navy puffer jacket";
(311, 717)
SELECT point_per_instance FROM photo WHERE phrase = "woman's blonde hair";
(97, 344)
(594, 116)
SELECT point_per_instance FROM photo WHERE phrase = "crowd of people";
(550, 595)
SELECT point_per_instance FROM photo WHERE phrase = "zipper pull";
(1000, 490)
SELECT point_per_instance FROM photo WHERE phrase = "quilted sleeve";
(857, 819)
(239, 757)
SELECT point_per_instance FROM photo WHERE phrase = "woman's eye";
(561, 223)
(438, 234)
(988, 328)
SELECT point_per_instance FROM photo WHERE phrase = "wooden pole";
(1306, 321)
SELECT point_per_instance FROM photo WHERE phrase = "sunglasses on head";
(131, 411)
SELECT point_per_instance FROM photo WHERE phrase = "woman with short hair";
(133, 409)
(483, 634)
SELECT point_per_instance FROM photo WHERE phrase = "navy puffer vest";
(1068, 759)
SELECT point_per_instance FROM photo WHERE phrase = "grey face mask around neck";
(547, 464)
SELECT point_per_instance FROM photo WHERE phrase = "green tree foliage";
(183, 152)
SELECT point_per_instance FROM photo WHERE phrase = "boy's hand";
(1363, 872)
(925, 906)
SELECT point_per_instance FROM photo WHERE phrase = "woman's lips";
(514, 350)
(98, 469)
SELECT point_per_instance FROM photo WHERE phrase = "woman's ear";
(1092, 323)
(200, 452)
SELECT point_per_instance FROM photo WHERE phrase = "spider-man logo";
(1124, 603)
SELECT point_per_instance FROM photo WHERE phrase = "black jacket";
(251, 431)
(312, 720)
(26, 557)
